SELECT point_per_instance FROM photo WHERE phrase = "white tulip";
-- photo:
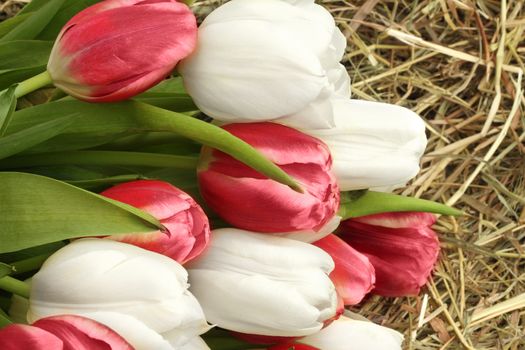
(374, 145)
(259, 60)
(346, 333)
(261, 284)
(90, 275)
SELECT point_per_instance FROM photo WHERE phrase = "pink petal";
(23, 337)
(80, 333)
(187, 227)
(354, 275)
(403, 257)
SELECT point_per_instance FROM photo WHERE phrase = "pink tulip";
(116, 49)
(401, 246)
(354, 275)
(67, 332)
(251, 201)
(187, 227)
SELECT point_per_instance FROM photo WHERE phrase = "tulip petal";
(140, 336)
(403, 251)
(17, 337)
(136, 282)
(80, 333)
(281, 285)
(99, 57)
(382, 152)
(361, 335)
(354, 275)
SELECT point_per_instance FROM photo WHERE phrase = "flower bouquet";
(174, 186)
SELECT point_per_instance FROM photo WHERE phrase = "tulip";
(353, 275)
(263, 285)
(346, 333)
(249, 200)
(90, 275)
(118, 48)
(66, 332)
(187, 228)
(259, 60)
(373, 145)
(401, 246)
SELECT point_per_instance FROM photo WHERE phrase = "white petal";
(361, 335)
(373, 144)
(94, 274)
(140, 336)
(266, 285)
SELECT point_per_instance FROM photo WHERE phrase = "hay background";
(459, 64)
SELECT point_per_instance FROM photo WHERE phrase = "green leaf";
(100, 123)
(46, 249)
(36, 210)
(7, 107)
(169, 94)
(7, 25)
(67, 10)
(22, 59)
(101, 158)
(5, 269)
(33, 135)
(33, 25)
(379, 202)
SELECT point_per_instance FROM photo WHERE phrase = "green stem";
(15, 286)
(33, 83)
(379, 202)
(101, 158)
(30, 264)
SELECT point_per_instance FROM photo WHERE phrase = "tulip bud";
(259, 60)
(90, 275)
(264, 285)
(118, 48)
(249, 200)
(66, 332)
(401, 246)
(354, 275)
(187, 228)
(346, 333)
(373, 145)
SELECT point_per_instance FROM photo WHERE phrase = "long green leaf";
(4, 319)
(33, 25)
(99, 124)
(26, 138)
(7, 107)
(7, 25)
(379, 202)
(36, 210)
(22, 59)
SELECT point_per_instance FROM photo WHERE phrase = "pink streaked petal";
(399, 219)
(282, 144)
(403, 257)
(263, 205)
(158, 198)
(354, 275)
(18, 337)
(80, 333)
